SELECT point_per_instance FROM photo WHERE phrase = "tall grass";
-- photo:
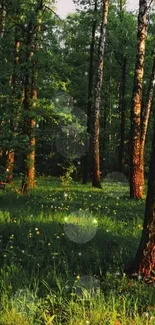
(50, 277)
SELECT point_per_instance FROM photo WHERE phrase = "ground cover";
(62, 254)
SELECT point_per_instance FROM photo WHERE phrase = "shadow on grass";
(39, 250)
(35, 248)
(37, 255)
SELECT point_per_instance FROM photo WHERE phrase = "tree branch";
(53, 12)
(149, 5)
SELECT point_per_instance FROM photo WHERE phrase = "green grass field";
(62, 254)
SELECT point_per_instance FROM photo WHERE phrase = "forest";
(77, 163)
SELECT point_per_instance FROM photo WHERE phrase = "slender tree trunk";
(122, 109)
(87, 157)
(136, 182)
(105, 130)
(96, 181)
(31, 155)
(10, 165)
(14, 109)
(2, 26)
(30, 99)
(27, 129)
(145, 121)
(2, 17)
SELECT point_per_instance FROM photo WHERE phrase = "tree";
(90, 95)
(96, 181)
(37, 72)
(145, 119)
(30, 97)
(2, 24)
(122, 95)
(122, 113)
(28, 71)
(144, 262)
(14, 105)
(2, 17)
(136, 167)
(118, 75)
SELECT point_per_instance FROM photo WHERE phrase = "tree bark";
(10, 165)
(2, 26)
(96, 181)
(2, 17)
(136, 182)
(87, 156)
(144, 262)
(30, 99)
(27, 122)
(14, 109)
(145, 121)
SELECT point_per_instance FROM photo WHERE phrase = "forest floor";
(62, 254)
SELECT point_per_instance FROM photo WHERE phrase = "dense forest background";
(44, 84)
(77, 163)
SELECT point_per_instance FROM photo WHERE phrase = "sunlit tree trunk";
(30, 99)
(145, 121)
(136, 182)
(144, 262)
(96, 181)
(32, 141)
(87, 157)
(29, 122)
(26, 103)
(10, 165)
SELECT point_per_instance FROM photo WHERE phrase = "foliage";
(67, 178)
(62, 65)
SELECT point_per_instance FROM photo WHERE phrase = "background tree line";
(48, 86)
(80, 92)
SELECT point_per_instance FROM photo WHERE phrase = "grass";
(63, 251)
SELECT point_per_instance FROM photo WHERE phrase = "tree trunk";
(29, 123)
(144, 262)
(26, 103)
(10, 165)
(105, 130)
(145, 121)
(2, 17)
(96, 181)
(2, 26)
(87, 156)
(14, 109)
(122, 110)
(30, 99)
(136, 182)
